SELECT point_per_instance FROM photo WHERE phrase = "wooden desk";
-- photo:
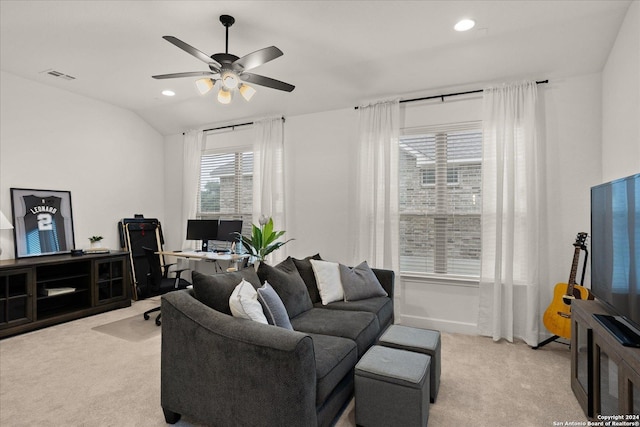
(206, 256)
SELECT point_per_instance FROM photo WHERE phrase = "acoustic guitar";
(557, 317)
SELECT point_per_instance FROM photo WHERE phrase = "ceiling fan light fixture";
(224, 96)
(230, 80)
(246, 91)
(205, 85)
(228, 69)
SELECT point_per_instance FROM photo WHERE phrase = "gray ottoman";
(392, 388)
(419, 340)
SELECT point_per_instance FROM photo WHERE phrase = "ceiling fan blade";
(259, 57)
(191, 50)
(267, 82)
(188, 74)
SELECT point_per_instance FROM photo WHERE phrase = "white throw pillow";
(328, 278)
(244, 303)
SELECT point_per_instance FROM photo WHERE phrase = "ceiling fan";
(230, 70)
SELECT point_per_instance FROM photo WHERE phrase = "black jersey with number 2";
(44, 225)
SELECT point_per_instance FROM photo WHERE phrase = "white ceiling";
(338, 54)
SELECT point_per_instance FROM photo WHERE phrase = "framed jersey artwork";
(42, 222)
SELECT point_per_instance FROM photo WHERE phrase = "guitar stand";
(549, 340)
(555, 337)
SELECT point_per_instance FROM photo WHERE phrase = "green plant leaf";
(273, 237)
(257, 237)
(247, 243)
(268, 229)
(275, 246)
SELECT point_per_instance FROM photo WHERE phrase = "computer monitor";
(202, 229)
(228, 229)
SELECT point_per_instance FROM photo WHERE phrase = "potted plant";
(263, 239)
(95, 241)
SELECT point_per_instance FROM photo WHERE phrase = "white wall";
(173, 163)
(621, 101)
(319, 173)
(573, 164)
(573, 129)
(110, 160)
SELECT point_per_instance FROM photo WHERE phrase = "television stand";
(42, 291)
(624, 334)
(605, 375)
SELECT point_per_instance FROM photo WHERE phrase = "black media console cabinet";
(43, 291)
(605, 375)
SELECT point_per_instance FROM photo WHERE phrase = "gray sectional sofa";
(222, 370)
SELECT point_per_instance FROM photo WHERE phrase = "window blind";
(440, 199)
(226, 186)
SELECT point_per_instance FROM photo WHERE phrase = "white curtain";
(268, 177)
(512, 211)
(192, 152)
(377, 219)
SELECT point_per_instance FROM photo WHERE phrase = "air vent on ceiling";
(58, 74)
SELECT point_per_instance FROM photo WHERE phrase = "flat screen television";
(615, 255)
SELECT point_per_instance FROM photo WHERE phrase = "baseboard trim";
(439, 324)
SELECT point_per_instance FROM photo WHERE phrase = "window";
(440, 200)
(226, 185)
(429, 176)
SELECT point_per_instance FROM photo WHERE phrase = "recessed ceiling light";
(168, 92)
(464, 25)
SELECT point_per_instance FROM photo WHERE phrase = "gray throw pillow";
(360, 282)
(273, 307)
(215, 290)
(286, 281)
(306, 272)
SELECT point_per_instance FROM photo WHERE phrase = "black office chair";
(159, 282)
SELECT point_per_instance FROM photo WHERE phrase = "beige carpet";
(95, 372)
(134, 328)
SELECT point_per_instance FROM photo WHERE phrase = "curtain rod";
(446, 95)
(230, 126)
